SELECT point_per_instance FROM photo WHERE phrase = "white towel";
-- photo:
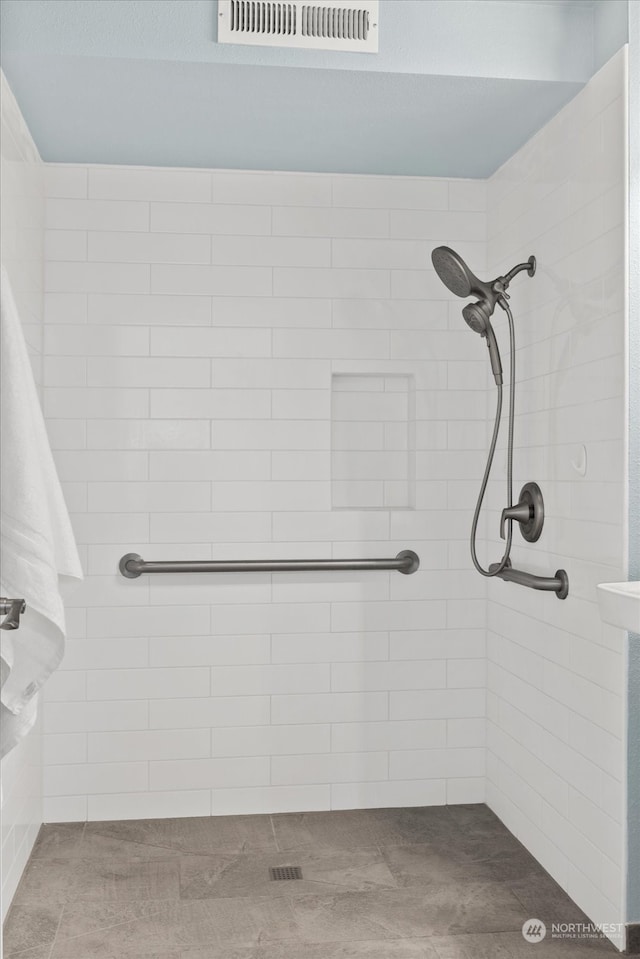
(37, 540)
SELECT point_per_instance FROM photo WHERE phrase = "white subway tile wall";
(194, 323)
(21, 237)
(555, 735)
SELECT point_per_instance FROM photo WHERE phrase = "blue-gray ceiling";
(457, 88)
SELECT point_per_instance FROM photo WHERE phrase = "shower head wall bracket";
(529, 266)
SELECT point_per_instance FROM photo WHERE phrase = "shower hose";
(492, 449)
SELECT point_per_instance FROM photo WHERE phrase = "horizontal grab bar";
(132, 565)
(558, 584)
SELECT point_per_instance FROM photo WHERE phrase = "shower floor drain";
(285, 872)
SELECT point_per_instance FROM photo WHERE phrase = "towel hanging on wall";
(37, 543)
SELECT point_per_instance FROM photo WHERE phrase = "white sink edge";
(620, 604)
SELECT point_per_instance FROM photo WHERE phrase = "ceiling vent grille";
(341, 25)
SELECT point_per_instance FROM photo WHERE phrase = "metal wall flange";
(532, 495)
(124, 567)
(528, 512)
(563, 592)
(411, 567)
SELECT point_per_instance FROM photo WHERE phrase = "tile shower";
(242, 365)
(210, 398)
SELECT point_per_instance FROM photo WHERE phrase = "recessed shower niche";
(372, 441)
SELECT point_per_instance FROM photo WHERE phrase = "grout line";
(273, 830)
(55, 935)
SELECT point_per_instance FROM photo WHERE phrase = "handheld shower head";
(477, 316)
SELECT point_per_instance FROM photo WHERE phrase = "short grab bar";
(132, 565)
(558, 584)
